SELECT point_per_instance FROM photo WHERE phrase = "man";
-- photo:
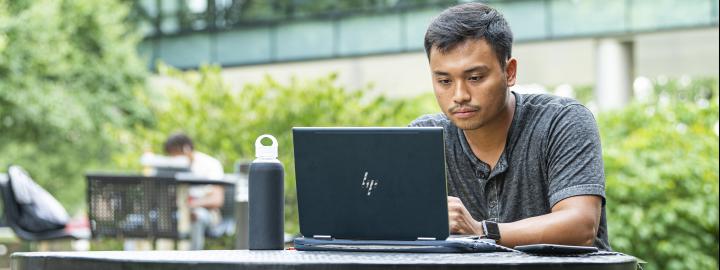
(204, 200)
(522, 169)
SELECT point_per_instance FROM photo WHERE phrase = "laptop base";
(451, 245)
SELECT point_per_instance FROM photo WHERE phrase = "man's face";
(470, 85)
(185, 151)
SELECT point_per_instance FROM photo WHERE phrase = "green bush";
(661, 164)
(225, 122)
(68, 70)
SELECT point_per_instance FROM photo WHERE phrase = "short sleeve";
(574, 156)
(207, 166)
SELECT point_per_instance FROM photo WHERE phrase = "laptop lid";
(371, 183)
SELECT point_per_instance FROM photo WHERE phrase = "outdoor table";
(244, 259)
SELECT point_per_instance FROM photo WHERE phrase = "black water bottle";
(266, 198)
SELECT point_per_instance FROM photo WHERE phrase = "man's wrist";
(478, 229)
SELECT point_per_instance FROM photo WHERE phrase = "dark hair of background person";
(470, 21)
(177, 142)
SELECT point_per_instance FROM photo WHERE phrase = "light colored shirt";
(206, 167)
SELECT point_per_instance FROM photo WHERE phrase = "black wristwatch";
(491, 230)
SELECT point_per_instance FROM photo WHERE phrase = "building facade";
(604, 43)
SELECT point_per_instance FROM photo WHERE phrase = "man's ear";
(511, 71)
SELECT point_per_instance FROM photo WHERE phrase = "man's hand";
(460, 220)
(215, 198)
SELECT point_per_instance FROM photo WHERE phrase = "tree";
(68, 71)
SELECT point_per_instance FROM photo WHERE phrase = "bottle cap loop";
(266, 151)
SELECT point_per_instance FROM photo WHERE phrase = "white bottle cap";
(266, 151)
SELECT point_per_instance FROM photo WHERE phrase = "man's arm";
(215, 198)
(573, 221)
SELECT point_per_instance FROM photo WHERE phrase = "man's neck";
(488, 142)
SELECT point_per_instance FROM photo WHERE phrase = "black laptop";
(374, 189)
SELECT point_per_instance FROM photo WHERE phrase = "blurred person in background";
(205, 201)
(522, 168)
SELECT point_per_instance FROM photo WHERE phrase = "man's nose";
(460, 93)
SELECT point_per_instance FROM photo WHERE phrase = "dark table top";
(244, 259)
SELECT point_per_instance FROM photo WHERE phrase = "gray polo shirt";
(552, 152)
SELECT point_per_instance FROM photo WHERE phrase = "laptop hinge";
(426, 238)
(322, 237)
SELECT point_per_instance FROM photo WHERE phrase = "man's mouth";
(464, 112)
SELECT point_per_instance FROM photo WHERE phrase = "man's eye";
(475, 78)
(444, 81)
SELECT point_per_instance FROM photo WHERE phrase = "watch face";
(492, 230)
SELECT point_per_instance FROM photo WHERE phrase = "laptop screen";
(371, 183)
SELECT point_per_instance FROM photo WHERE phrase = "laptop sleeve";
(452, 245)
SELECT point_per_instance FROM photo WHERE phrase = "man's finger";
(454, 227)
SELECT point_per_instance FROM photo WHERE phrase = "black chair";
(11, 213)
(127, 205)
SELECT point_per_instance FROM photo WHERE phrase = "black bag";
(39, 211)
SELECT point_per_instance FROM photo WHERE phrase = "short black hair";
(470, 21)
(177, 143)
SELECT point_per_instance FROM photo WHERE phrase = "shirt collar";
(482, 169)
